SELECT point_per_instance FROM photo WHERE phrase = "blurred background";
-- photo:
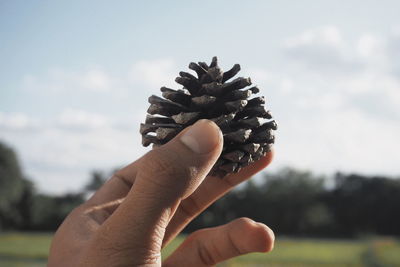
(74, 81)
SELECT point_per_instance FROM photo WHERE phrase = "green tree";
(366, 205)
(12, 185)
(48, 212)
(292, 202)
(96, 181)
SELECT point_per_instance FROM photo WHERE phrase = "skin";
(146, 204)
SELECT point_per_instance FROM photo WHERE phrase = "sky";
(75, 77)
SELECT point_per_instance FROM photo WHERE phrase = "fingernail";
(202, 137)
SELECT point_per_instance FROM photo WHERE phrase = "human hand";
(147, 204)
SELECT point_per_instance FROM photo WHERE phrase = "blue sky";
(75, 77)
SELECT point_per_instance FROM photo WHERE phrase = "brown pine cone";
(246, 124)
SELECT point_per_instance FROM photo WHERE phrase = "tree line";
(292, 202)
(298, 203)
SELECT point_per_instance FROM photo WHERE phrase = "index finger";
(117, 187)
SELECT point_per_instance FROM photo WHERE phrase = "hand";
(146, 204)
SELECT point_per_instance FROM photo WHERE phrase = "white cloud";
(361, 72)
(329, 36)
(65, 146)
(346, 140)
(81, 119)
(393, 56)
(154, 73)
(17, 122)
(324, 126)
(62, 151)
(369, 45)
(258, 75)
(330, 119)
(322, 49)
(60, 80)
(150, 74)
(96, 80)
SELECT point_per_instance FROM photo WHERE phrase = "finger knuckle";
(78, 212)
(205, 255)
(190, 207)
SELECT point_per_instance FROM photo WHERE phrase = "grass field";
(26, 249)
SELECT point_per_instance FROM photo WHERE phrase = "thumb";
(165, 176)
(178, 167)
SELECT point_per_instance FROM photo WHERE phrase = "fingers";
(207, 247)
(116, 187)
(210, 190)
(110, 195)
(164, 176)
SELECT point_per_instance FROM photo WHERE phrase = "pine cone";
(246, 125)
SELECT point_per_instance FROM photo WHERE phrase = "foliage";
(97, 180)
(48, 212)
(10, 177)
(298, 203)
(363, 205)
(21, 207)
(13, 186)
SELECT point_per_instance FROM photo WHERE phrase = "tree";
(366, 205)
(96, 181)
(290, 201)
(48, 212)
(11, 186)
(24, 206)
